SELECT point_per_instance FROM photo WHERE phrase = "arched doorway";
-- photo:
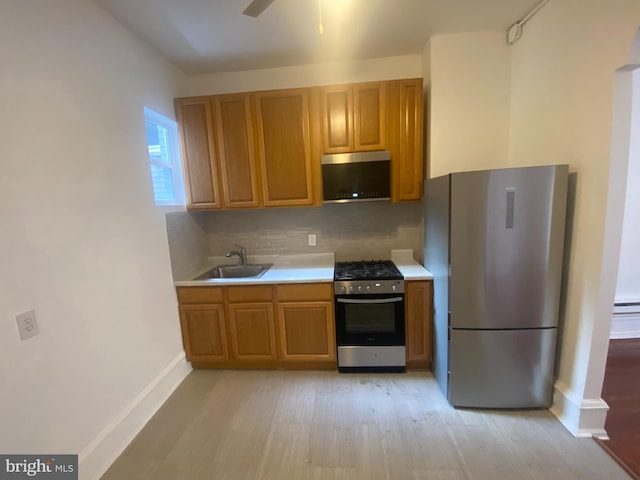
(625, 157)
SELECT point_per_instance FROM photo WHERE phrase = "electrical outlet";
(312, 239)
(27, 324)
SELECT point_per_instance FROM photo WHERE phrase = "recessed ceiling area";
(206, 36)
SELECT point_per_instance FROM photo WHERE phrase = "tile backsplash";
(188, 246)
(355, 231)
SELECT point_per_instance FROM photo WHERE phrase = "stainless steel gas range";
(369, 312)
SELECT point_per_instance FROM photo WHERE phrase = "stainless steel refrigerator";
(494, 242)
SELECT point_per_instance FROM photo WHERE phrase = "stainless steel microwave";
(356, 177)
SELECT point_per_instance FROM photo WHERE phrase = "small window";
(164, 159)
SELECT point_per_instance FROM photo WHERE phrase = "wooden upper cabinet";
(236, 152)
(195, 125)
(249, 150)
(405, 138)
(337, 119)
(284, 147)
(369, 123)
(353, 117)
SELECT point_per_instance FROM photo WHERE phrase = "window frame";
(173, 147)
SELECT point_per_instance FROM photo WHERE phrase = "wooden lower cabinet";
(259, 326)
(252, 331)
(203, 332)
(419, 319)
(251, 324)
(306, 331)
(306, 326)
(284, 326)
(203, 323)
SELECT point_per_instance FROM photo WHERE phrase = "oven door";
(370, 320)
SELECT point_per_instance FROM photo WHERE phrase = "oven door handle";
(373, 300)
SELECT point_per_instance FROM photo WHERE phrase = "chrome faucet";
(242, 254)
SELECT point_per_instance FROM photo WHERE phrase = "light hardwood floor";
(230, 424)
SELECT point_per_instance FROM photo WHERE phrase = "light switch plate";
(312, 239)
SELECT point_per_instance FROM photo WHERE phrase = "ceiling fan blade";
(256, 7)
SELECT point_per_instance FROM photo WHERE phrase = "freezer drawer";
(501, 368)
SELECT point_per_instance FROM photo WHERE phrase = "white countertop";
(410, 269)
(302, 268)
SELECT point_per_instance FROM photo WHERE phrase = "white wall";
(561, 112)
(390, 68)
(81, 240)
(469, 91)
(628, 284)
(626, 313)
(625, 161)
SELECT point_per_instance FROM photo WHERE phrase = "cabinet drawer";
(199, 294)
(250, 293)
(308, 291)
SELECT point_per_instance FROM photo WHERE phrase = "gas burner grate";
(366, 269)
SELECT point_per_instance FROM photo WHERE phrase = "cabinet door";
(282, 124)
(405, 139)
(252, 331)
(354, 117)
(203, 332)
(307, 331)
(197, 145)
(337, 119)
(419, 310)
(236, 152)
(370, 118)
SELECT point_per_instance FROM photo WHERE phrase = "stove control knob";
(393, 288)
(359, 288)
(368, 288)
(343, 289)
(351, 289)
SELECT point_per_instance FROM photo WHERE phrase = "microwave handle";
(373, 300)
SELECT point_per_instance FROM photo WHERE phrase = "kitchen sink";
(246, 270)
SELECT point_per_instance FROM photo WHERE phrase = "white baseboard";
(625, 325)
(584, 417)
(103, 450)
